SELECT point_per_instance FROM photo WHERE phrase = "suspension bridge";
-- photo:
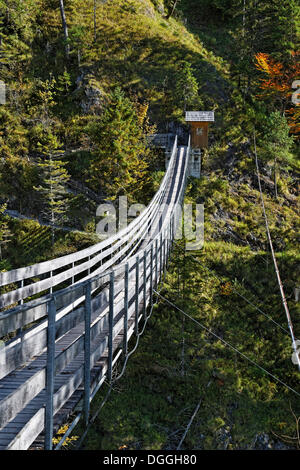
(59, 344)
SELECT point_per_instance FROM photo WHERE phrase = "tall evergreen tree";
(5, 233)
(53, 174)
(186, 88)
(118, 166)
(16, 35)
(54, 177)
(269, 27)
(277, 143)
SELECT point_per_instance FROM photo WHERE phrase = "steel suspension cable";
(226, 343)
(284, 302)
(238, 293)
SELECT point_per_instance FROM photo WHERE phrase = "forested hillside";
(86, 82)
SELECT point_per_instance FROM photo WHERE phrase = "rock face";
(264, 442)
(93, 99)
(92, 96)
(224, 438)
(180, 130)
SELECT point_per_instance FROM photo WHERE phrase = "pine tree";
(277, 142)
(186, 88)
(53, 173)
(268, 27)
(54, 177)
(118, 166)
(16, 35)
(5, 233)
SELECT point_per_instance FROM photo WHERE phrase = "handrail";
(112, 300)
(37, 302)
(46, 266)
(101, 250)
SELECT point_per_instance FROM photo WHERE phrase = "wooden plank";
(12, 321)
(15, 401)
(33, 427)
(17, 354)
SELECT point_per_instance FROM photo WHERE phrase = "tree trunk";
(65, 27)
(171, 10)
(95, 21)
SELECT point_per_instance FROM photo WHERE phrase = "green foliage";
(186, 88)
(277, 142)
(5, 233)
(276, 139)
(201, 57)
(53, 189)
(118, 162)
(17, 34)
(239, 401)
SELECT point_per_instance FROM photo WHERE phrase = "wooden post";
(151, 276)
(137, 263)
(72, 278)
(125, 328)
(21, 285)
(111, 324)
(164, 255)
(156, 263)
(168, 244)
(50, 375)
(160, 257)
(173, 228)
(51, 288)
(145, 284)
(20, 302)
(87, 353)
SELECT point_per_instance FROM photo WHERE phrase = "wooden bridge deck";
(68, 340)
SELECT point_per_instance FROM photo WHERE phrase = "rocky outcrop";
(264, 442)
(92, 97)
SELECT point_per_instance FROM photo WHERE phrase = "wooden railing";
(68, 341)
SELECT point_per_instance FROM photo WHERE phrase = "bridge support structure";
(73, 336)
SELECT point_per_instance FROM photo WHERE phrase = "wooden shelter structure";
(199, 121)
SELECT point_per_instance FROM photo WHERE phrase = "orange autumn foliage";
(278, 82)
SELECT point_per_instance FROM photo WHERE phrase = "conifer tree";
(277, 142)
(268, 27)
(54, 177)
(5, 233)
(16, 35)
(186, 88)
(53, 173)
(118, 166)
